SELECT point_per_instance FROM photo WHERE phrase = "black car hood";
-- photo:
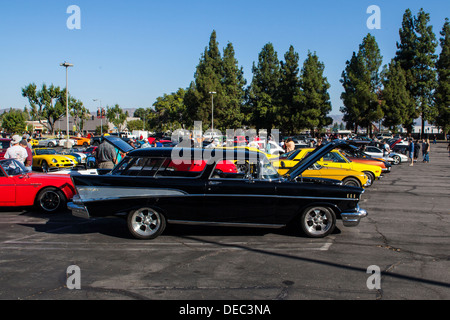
(313, 157)
(119, 143)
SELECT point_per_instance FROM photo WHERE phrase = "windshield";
(41, 152)
(12, 167)
(267, 170)
(290, 155)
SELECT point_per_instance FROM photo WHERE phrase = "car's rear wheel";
(351, 182)
(318, 221)
(51, 200)
(146, 223)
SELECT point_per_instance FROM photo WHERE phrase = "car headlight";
(54, 160)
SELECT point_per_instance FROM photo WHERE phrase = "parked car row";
(308, 188)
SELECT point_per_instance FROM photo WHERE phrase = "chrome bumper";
(352, 219)
(78, 209)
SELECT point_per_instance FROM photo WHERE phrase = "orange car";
(81, 141)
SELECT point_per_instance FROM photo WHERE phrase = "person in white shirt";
(16, 151)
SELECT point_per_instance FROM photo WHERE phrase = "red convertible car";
(19, 188)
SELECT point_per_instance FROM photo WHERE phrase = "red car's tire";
(51, 200)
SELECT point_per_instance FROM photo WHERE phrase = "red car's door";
(7, 190)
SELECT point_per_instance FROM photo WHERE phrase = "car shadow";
(116, 227)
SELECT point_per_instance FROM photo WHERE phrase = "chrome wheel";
(146, 223)
(318, 222)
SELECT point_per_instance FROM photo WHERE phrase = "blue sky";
(131, 52)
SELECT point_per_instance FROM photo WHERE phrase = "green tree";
(116, 116)
(290, 95)
(361, 81)
(229, 113)
(397, 104)
(14, 121)
(353, 84)
(442, 94)
(316, 103)
(207, 79)
(416, 53)
(170, 112)
(46, 104)
(135, 125)
(263, 97)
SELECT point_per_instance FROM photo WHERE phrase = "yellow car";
(48, 159)
(334, 159)
(348, 177)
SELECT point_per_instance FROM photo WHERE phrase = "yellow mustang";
(48, 159)
(333, 160)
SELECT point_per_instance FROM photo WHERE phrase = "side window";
(189, 169)
(229, 170)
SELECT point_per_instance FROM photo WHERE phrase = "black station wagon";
(158, 186)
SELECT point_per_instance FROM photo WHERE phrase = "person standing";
(290, 145)
(16, 151)
(411, 151)
(29, 160)
(416, 150)
(106, 155)
(426, 151)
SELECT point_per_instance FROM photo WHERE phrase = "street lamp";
(67, 65)
(212, 93)
(101, 116)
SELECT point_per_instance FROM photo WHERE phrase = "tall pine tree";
(207, 79)
(288, 113)
(397, 103)
(361, 81)
(230, 114)
(416, 55)
(263, 97)
(442, 94)
(316, 103)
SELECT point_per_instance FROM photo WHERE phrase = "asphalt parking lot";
(406, 235)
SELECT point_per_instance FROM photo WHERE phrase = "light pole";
(101, 116)
(67, 65)
(212, 93)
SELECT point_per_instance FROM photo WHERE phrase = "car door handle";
(214, 183)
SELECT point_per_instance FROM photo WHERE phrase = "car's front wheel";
(51, 200)
(318, 221)
(371, 177)
(146, 223)
(397, 160)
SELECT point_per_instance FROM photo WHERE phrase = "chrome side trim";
(227, 224)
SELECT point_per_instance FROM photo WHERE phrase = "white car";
(46, 143)
(393, 157)
(274, 148)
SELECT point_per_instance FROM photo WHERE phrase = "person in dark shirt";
(106, 155)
